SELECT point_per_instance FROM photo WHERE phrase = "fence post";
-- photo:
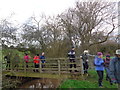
(40, 67)
(24, 66)
(67, 62)
(81, 66)
(11, 66)
(59, 67)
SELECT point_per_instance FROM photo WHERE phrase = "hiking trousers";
(8, 66)
(72, 65)
(85, 67)
(100, 75)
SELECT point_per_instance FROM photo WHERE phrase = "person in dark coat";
(106, 64)
(85, 61)
(7, 59)
(42, 57)
(115, 68)
(71, 55)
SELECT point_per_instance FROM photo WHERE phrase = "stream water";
(42, 83)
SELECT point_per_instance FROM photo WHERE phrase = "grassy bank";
(90, 82)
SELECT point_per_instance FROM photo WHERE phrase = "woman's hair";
(37, 54)
(26, 54)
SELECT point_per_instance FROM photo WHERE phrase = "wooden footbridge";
(53, 68)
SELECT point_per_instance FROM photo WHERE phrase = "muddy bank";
(14, 82)
(28, 82)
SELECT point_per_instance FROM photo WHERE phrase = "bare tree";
(34, 34)
(89, 17)
(8, 31)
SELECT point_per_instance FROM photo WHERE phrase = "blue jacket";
(115, 69)
(42, 57)
(99, 64)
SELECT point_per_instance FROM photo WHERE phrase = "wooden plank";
(25, 67)
(37, 75)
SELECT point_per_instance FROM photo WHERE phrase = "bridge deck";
(41, 75)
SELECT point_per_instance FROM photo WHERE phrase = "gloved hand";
(102, 63)
(114, 80)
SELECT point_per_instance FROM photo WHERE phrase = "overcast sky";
(23, 9)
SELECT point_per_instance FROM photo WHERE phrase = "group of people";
(15, 62)
(84, 57)
(111, 66)
(12, 62)
(37, 58)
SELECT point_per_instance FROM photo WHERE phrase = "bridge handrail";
(60, 65)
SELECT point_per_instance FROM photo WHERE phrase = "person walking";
(26, 59)
(71, 55)
(115, 68)
(106, 64)
(36, 62)
(99, 67)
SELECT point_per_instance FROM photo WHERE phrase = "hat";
(85, 51)
(43, 53)
(108, 55)
(99, 53)
(118, 51)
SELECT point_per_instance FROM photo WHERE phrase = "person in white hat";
(85, 61)
(115, 68)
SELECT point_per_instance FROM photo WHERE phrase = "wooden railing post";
(81, 66)
(59, 67)
(24, 66)
(11, 66)
(67, 64)
(40, 67)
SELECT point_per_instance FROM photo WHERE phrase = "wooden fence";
(52, 65)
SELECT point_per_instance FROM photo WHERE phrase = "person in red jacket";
(36, 61)
(26, 59)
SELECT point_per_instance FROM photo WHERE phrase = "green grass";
(90, 82)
